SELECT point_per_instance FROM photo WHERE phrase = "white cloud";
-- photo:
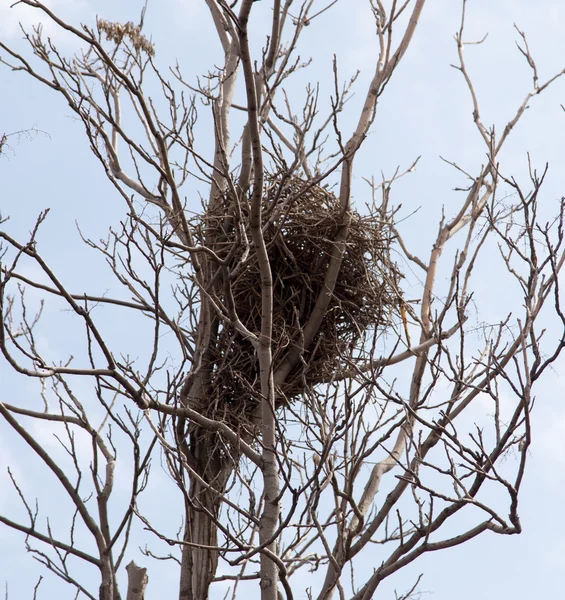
(189, 14)
(7, 493)
(551, 442)
(11, 16)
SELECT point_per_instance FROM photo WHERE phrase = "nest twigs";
(299, 228)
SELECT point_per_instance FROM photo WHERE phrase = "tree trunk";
(137, 582)
(213, 468)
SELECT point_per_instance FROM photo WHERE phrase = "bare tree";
(6, 138)
(297, 381)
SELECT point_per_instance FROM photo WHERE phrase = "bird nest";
(300, 225)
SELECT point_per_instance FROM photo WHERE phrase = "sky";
(426, 111)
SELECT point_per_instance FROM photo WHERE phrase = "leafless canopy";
(304, 407)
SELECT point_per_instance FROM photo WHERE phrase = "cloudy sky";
(425, 112)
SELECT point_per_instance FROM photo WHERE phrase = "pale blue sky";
(426, 111)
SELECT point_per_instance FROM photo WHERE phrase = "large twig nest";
(300, 230)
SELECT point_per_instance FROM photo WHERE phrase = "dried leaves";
(116, 32)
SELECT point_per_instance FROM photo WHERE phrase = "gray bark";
(137, 581)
